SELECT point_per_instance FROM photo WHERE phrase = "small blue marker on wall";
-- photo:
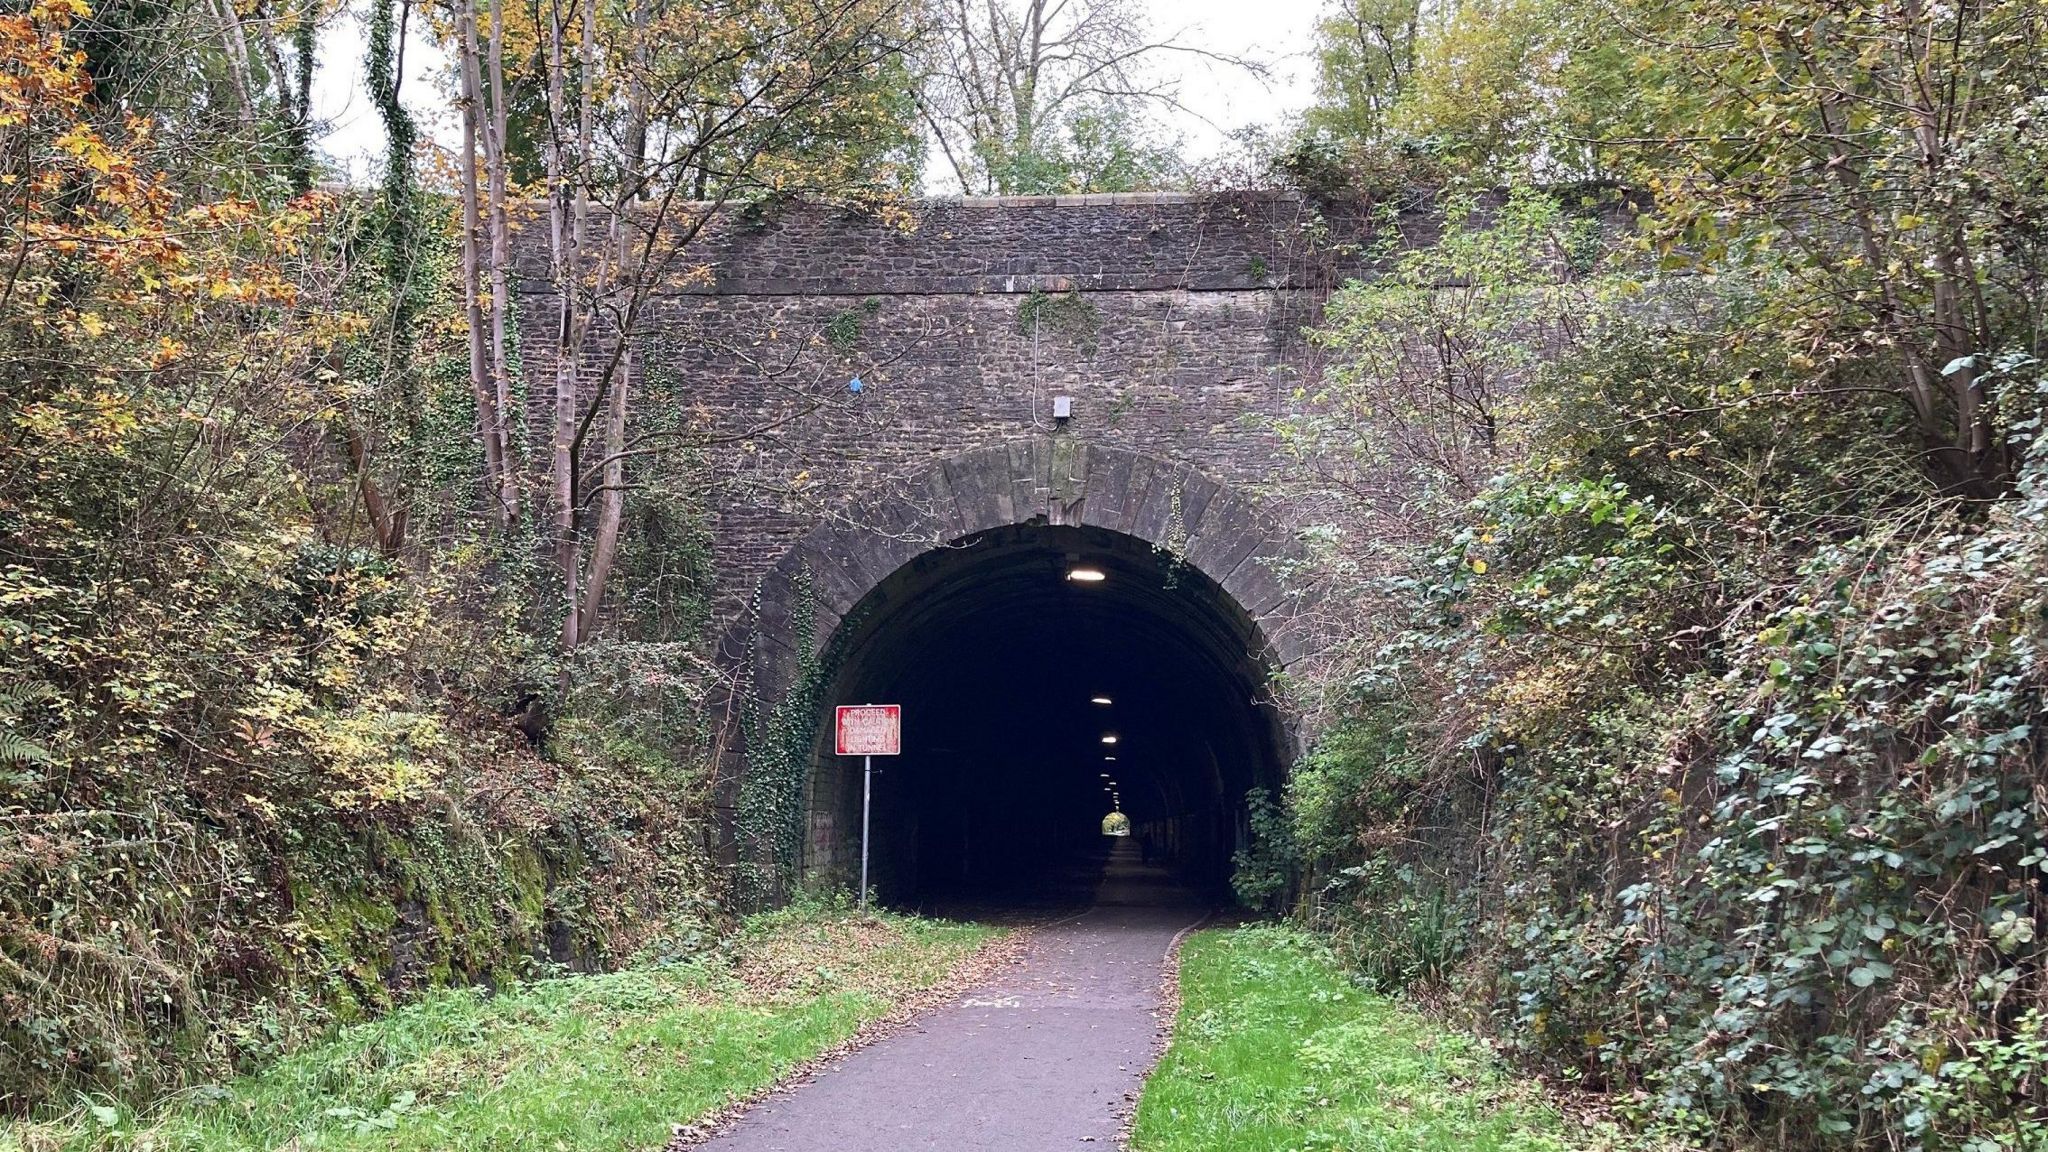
(854, 385)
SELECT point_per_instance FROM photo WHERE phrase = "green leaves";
(1746, 727)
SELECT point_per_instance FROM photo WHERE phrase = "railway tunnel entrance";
(1049, 676)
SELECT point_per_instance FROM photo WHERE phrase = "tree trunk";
(501, 297)
(385, 524)
(612, 509)
(566, 232)
(237, 56)
(625, 265)
(472, 226)
(570, 548)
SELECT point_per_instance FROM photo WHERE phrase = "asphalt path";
(1048, 1054)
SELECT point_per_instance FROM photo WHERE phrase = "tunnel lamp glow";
(1086, 575)
(1109, 739)
(1098, 700)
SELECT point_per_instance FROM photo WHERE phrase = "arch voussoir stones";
(1047, 480)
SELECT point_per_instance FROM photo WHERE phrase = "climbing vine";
(770, 818)
(1172, 546)
(1066, 314)
(843, 330)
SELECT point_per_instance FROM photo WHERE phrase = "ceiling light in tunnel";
(1099, 700)
(1109, 739)
(1086, 575)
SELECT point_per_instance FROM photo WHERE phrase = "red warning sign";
(869, 730)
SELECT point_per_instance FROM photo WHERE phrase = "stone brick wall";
(1174, 322)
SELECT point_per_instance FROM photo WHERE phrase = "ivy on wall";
(1067, 314)
(769, 822)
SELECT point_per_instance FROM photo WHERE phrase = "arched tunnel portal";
(1016, 670)
(1069, 630)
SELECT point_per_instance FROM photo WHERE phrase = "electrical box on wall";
(1062, 407)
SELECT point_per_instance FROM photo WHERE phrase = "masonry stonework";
(1173, 322)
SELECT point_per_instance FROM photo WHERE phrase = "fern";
(16, 750)
(14, 700)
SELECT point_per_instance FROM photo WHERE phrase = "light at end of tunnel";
(1099, 700)
(1110, 759)
(1086, 575)
(1109, 739)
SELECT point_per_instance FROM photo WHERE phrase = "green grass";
(563, 1065)
(1275, 1048)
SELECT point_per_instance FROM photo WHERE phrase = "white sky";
(1218, 100)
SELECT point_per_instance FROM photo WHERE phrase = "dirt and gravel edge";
(977, 967)
(1166, 1014)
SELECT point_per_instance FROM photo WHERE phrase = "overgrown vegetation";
(1686, 717)
(1275, 1047)
(567, 1062)
(1063, 314)
(769, 820)
(315, 694)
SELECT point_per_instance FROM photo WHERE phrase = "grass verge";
(564, 1065)
(1276, 1048)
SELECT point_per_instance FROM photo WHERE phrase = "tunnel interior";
(1018, 655)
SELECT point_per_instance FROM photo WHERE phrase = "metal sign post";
(867, 800)
(867, 731)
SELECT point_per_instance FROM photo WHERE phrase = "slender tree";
(1006, 83)
(483, 373)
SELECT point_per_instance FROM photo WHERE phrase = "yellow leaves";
(1478, 567)
(338, 326)
(264, 287)
(59, 12)
(85, 145)
(378, 755)
(1935, 1056)
(78, 418)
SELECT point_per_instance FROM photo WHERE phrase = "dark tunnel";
(1015, 664)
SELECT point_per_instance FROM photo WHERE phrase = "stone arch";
(869, 561)
(1220, 532)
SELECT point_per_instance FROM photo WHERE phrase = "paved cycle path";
(1048, 1054)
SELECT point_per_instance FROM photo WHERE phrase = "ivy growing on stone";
(1066, 314)
(769, 821)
